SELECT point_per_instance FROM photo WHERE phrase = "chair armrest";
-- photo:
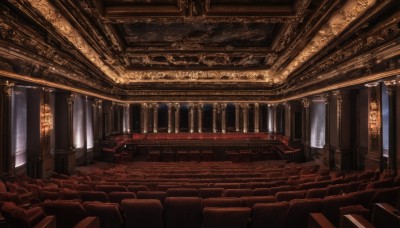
(47, 222)
(318, 220)
(88, 222)
(351, 220)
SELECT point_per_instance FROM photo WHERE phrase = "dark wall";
(60, 121)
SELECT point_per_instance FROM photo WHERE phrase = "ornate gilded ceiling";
(134, 48)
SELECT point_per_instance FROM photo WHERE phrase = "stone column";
(144, 109)
(256, 117)
(177, 106)
(327, 155)
(223, 118)
(97, 125)
(392, 158)
(191, 117)
(245, 108)
(155, 118)
(112, 117)
(215, 109)
(7, 165)
(126, 118)
(237, 117)
(288, 121)
(85, 150)
(169, 117)
(200, 117)
(306, 128)
(274, 118)
(70, 121)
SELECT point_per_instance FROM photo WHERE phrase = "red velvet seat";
(195, 185)
(274, 190)
(46, 195)
(67, 213)
(249, 201)
(232, 217)
(385, 183)
(227, 185)
(238, 192)
(109, 214)
(83, 187)
(183, 192)
(18, 217)
(316, 193)
(290, 195)
(146, 213)
(299, 211)
(117, 197)
(386, 195)
(223, 202)
(330, 207)
(335, 189)
(93, 196)
(261, 192)
(182, 212)
(110, 188)
(363, 197)
(136, 188)
(269, 215)
(211, 192)
(67, 194)
(159, 195)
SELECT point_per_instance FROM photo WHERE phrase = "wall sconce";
(46, 118)
(374, 118)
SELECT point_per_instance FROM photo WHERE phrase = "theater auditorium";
(200, 113)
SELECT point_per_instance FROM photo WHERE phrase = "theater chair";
(182, 192)
(274, 190)
(232, 217)
(386, 195)
(211, 192)
(183, 212)
(159, 195)
(290, 195)
(117, 197)
(261, 192)
(67, 194)
(195, 185)
(136, 188)
(269, 215)
(90, 196)
(363, 197)
(384, 215)
(109, 214)
(69, 214)
(146, 213)
(249, 201)
(299, 210)
(110, 188)
(237, 192)
(227, 185)
(316, 193)
(19, 217)
(223, 202)
(330, 207)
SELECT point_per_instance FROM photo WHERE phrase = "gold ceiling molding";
(51, 14)
(339, 21)
(196, 75)
(350, 11)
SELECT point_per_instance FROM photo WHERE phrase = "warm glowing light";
(46, 118)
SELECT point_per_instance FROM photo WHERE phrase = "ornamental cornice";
(340, 20)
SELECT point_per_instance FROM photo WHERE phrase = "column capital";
(391, 86)
(170, 105)
(155, 105)
(326, 98)
(200, 105)
(144, 105)
(177, 105)
(305, 102)
(7, 87)
(71, 99)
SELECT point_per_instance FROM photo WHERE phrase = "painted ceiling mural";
(269, 47)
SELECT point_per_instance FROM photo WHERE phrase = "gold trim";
(337, 86)
(351, 10)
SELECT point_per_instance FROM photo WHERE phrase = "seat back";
(210, 192)
(136, 188)
(269, 215)
(223, 202)
(249, 201)
(159, 195)
(238, 192)
(299, 211)
(182, 212)
(93, 196)
(289, 195)
(330, 206)
(67, 213)
(143, 213)
(182, 192)
(316, 193)
(232, 217)
(261, 192)
(117, 197)
(109, 214)
(110, 188)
